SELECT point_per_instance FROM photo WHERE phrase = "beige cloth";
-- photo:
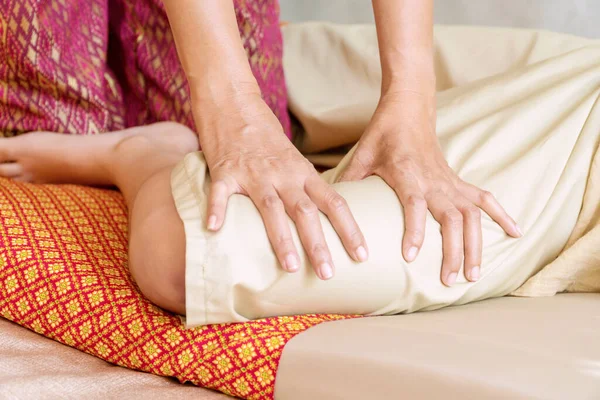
(507, 348)
(519, 117)
(35, 367)
(463, 55)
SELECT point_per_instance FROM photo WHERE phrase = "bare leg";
(139, 162)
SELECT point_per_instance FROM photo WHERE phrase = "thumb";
(218, 197)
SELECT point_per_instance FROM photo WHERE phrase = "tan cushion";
(506, 348)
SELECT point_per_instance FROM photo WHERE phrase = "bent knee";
(161, 283)
(157, 245)
(157, 257)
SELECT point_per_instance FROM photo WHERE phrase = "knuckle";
(283, 242)
(270, 202)
(415, 201)
(225, 164)
(452, 218)
(486, 197)
(405, 165)
(436, 194)
(219, 187)
(318, 251)
(220, 183)
(249, 129)
(335, 202)
(472, 212)
(305, 208)
(355, 238)
(415, 233)
(446, 188)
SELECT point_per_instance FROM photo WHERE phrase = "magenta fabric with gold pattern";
(101, 65)
(53, 68)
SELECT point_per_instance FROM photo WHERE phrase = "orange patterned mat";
(63, 274)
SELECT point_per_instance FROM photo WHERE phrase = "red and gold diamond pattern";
(63, 274)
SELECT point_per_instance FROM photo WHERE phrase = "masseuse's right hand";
(248, 153)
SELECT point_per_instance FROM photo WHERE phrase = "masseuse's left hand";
(400, 145)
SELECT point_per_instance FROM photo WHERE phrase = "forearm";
(405, 36)
(210, 50)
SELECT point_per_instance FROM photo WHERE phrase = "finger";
(218, 197)
(358, 168)
(415, 215)
(6, 150)
(10, 170)
(306, 216)
(276, 223)
(451, 221)
(488, 203)
(472, 238)
(338, 212)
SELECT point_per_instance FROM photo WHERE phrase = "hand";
(248, 153)
(401, 147)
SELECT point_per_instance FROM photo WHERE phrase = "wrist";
(218, 90)
(405, 82)
(416, 101)
(413, 110)
(232, 118)
(408, 71)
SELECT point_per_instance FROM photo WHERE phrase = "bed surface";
(34, 367)
(505, 348)
(502, 348)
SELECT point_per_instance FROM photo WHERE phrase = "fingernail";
(519, 230)
(212, 223)
(326, 271)
(411, 254)
(361, 254)
(474, 273)
(291, 262)
(451, 279)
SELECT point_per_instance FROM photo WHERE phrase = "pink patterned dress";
(85, 67)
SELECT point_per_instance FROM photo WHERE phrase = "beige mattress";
(517, 348)
(506, 348)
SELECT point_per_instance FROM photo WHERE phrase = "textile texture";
(63, 274)
(102, 65)
(502, 95)
(519, 118)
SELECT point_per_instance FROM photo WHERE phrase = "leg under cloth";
(139, 161)
(526, 134)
